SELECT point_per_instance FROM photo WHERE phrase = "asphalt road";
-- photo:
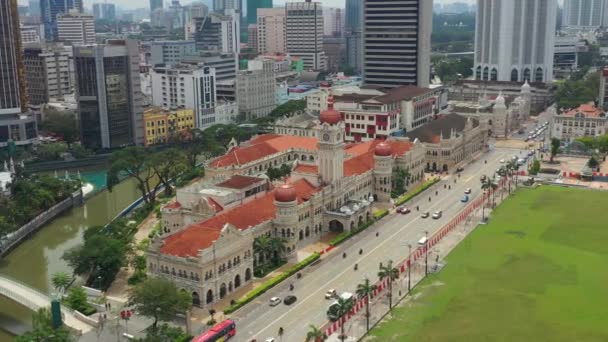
(260, 321)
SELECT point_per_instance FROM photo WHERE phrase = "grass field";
(537, 272)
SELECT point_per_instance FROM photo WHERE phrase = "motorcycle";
(291, 287)
(344, 255)
(356, 267)
(360, 251)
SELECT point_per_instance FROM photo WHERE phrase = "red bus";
(220, 332)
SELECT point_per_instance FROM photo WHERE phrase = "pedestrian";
(105, 316)
(109, 306)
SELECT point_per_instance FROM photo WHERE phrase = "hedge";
(408, 196)
(271, 283)
(378, 214)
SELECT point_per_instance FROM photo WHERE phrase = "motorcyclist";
(356, 267)
(344, 255)
(360, 251)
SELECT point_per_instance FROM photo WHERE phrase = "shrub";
(137, 277)
(211, 322)
(378, 214)
(415, 192)
(251, 295)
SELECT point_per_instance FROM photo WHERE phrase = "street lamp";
(409, 268)
(426, 253)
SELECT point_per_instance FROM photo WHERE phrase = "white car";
(437, 214)
(274, 301)
(502, 161)
(270, 339)
(331, 293)
(468, 191)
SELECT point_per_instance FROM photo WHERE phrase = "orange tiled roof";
(201, 235)
(363, 160)
(173, 205)
(590, 111)
(303, 168)
(264, 146)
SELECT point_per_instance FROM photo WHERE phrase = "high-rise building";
(333, 21)
(252, 44)
(170, 51)
(252, 9)
(34, 8)
(108, 92)
(585, 14)
(50, 9)
(221, 5)
(352, 34)
(218, 32)
(514, 40)
(15, 126)
(155, 4)
(271, 31)
(397, 42)
(104, 11)
(47, 72)
(76, 28)
(183, 86)
(256, 89)
(304, 32)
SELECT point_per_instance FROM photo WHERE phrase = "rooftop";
(240, 182)
(586, 110)
(430, 133)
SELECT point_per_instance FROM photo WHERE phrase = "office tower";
(396, 42)
(76, 28)
(104, 11)
(256, 89)
(15, 126)
(221, 5)
(514, 40)
(184, 86)
(352, 34)
(585, 14)
(34, 6)
(304, 33)
(47, 72)
(333, 21)
(271, 31)
(108, 93)
(155, 4)
(218, 32)
(252, 9)
(50, 9)
(252, 43)
(170, 51)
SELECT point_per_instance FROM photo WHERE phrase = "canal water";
(37, 258)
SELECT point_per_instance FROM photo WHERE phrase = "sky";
(129, 4)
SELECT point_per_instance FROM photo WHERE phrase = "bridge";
(34, 300)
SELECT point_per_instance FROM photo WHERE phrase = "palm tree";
(315, 334)
(60, 281)
(343, 307)
(365, 290)
(555, 143)
(391, 273)
(276, 247)
(510, 167)
(261, 247)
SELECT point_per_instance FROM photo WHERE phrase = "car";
(460, 169)
(483, 178)
(468, 191)
(530, 154)
(331, 293)
(425, 214)
(502, 161)
(405, 210)
(437, 214)
(464, 199)
(270, 339)
(290, 300)
(274, 301)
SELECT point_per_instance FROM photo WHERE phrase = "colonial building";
(207, 243)
(584, 121)
(160, 125)
(451, 140)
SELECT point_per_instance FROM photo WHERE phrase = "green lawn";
(537, 272)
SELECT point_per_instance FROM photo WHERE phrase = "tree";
(574, 92)
(63, 125)
(343, 307)
(364, 291)
(160, 299)
(400, 179)
(167, 166)
(535, 167)
(60, 281)
(166, 333)
(43, 329)
(555, 144)
(315, 334)
(391, 273)
(277, 248)
(134, 161)
(261, 247)
(77, 299)
(593, 163)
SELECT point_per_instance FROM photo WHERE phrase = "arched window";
(538, 75)
(514, 75)
(478, 73)
(526, 74)
(494, 75)
(486, 71)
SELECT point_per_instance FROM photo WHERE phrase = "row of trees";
(576, 91)
(597, 143)
(279, 172)
(451, 69)
(400, 180)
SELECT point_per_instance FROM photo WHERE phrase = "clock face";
(325, 137)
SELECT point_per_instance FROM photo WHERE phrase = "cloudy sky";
(145, 3)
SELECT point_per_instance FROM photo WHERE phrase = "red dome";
(383, 149)
(285, 193)
(330, 116)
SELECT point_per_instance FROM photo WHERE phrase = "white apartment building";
(333, 21)
(272, 31)
(584, 121)
(76, 28)
(256, 89)
(514, 40)
(31, 33)
(585, 14)
(47, 72)
(186, 86)
(170, 51)
(304, 23)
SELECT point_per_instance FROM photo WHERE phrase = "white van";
(422, 241)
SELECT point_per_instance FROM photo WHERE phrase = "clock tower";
(330, 133)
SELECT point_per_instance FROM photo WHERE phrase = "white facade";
(305, 33)
(226, 112)
(584, 121)
(170, 52)
(333, 21)
(271, 31)
(31, 34)
(514, 40)
(256, 89)
(76, 28)
(190, 87)
(585, 14)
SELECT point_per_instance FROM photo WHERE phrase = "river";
(37, 258)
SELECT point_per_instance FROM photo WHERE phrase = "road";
(260, 321)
